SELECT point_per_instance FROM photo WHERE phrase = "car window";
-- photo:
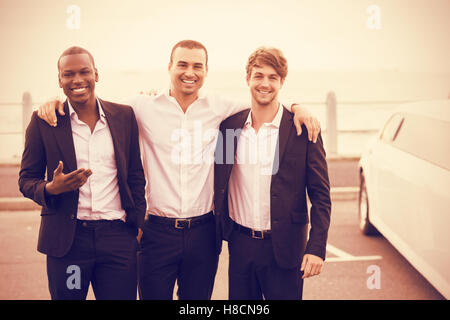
(391, 128)
(426, 138)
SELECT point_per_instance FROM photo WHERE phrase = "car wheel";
(363, 209)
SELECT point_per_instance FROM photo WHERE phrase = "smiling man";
(261, 194)
(93, 199)
(188, 68)
(179, 130)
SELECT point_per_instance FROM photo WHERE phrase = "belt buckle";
(177, 226)
(254, 236)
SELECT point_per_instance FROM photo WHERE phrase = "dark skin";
(67, 182)
(77, 77)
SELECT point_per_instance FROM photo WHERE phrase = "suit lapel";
(116, 128)
(237, 124)
(64, 138)
(240, 122)
(285, 130)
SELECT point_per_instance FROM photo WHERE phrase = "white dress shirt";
(178, 151)
(251, 176)
(99, 196)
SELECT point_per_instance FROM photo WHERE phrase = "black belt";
(97, 223)
(255, 234)
(182, 223)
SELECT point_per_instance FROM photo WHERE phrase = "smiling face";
(77, 77)
(187, 71)
(264, 83)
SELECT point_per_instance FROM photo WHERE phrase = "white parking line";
(343, 256)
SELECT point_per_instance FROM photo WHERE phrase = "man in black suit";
(87, 175)
(263, 173)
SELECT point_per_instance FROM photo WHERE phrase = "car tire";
(363, 209)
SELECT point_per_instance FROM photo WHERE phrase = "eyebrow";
(185, 62)
(270, 75)
(70, 70)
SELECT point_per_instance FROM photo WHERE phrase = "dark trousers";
(186, 254)
(254, 274)
(103, 254)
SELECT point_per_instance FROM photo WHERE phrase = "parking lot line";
(360, 258)
(343, 256)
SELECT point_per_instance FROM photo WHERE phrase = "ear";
(96, 74)
(59, 80)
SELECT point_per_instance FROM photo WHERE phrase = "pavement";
(351, 262)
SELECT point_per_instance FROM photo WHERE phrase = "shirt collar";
(166, 94)
(100, 110)
(274, 123)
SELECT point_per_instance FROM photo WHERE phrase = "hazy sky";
(413, 35)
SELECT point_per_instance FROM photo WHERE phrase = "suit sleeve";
(32, 170)
(136, 178)
(318, 187)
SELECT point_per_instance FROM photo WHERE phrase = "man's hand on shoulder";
(47, 111)
(303, 116)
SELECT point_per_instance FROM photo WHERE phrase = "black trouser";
(180, 251)
(254, 274)
(103, 254)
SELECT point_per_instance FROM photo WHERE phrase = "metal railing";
(27, 110)
(331, 104)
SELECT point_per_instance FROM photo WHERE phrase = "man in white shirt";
(262, 173)
(87, 175)
(178, 130)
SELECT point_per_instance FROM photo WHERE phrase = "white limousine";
(405, 188)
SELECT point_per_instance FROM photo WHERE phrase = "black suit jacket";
(45, 146)
(302, 170)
